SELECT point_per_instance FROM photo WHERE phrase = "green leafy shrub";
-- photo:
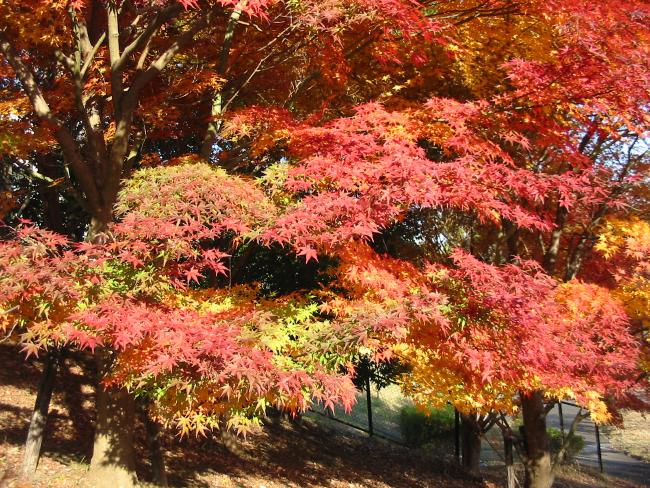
(419, 428)
(576, 443)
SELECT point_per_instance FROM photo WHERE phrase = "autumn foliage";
(458, 185)
(512, 330)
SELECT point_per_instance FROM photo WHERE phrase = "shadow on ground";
(288, 453)
(307, 455)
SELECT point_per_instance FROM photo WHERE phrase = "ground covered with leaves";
(288, 453)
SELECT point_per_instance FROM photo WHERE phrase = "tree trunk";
(155, 450)
(53, 221)
(113, 461)
(537, 464)
(39, 416)
(471, 443)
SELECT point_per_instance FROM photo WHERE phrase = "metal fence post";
(457, 435)
(559, 410)
(369, 405)
(600, 452)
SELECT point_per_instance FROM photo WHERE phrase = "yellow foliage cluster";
(629, 240)
(483, 45)
(432, 383)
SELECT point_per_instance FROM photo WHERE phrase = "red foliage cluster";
(358, 174)
(512, 157)
(524, 329)
(209, 362)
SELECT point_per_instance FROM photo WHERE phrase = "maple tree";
(499, 127)
(207, 358)
(591, 180)
(83, 82)
(553, 332)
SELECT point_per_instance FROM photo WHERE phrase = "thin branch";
(86, 50)
(491, 421)
(12, 309)
(6, 312)
(246, 82)
(549, 406)
(91, 55)
(34, 173)
(559, 457)
(8, 336)
(91, 122)
(176, 45)
(216, 107)
(147, 34)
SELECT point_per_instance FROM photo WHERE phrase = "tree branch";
(163, 60)
(550, 257)
(63, 136)
(91, 56)
(145, 36)
(128, 101)
(92, 121)
(216, 108)
(113, 29)
(549, 406)
(559, 457)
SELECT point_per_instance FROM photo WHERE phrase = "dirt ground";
(635, 438)
(286, 454)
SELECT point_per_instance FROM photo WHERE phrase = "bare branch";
(91, 122)
(91, 55)
(8, 336)
(145, 36)
(559, 457)
(163, 59)
(549, 406)
(6, 312)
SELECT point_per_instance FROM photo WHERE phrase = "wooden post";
(600, 452)
(509, 459)
(457, 435)
(369, 405)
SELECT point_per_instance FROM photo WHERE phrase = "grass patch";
(425, 427)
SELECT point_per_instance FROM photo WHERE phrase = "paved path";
(615, 463)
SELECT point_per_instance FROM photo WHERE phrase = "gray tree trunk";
(39, 416)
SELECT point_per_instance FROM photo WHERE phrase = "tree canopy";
(236, 200)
